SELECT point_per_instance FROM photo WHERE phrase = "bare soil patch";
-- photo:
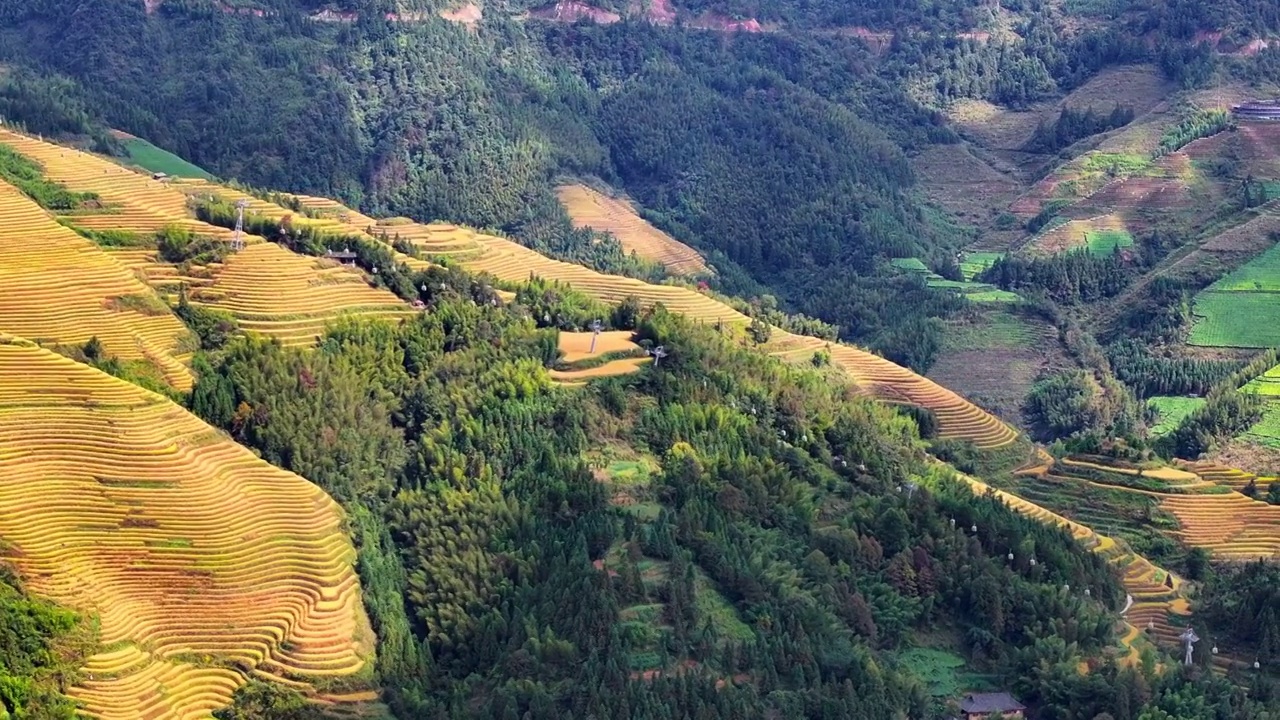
(952, 177)
(573, 11)
(1250, 457)
(468, 14)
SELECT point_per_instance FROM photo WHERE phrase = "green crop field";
(1172, 410)
(1105, 242)
(974, 291)
(1242, 308)
(1236, 319)
(997, 330)
(909, 264)
(1261, 274)
(1267, 383)
(152, 158)
(1267, 430)
(975, 262)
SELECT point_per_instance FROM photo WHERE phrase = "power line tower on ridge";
(237, 240)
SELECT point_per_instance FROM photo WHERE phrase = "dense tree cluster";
(1071, 277)
(478, 522)
(1149, 374)
(1073, 125)
(41, 650)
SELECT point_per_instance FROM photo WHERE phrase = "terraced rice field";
(509, 261)
(134, 201)
(269, 289)
(592, 209)
(1227, 523)
(1230, 477)
(1231, 526)
(278, 293)
(203, 563)
(1267, 383)
(56, 287)
(613, 368)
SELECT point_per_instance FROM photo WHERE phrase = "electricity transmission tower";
(658, 353)
(596, 327)
(237, 240)
(1188, 638)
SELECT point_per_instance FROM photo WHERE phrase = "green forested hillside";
(782, 155)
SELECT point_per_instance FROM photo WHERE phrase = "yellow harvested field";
(509, 261)
(196, 556)
(56, 287)
(609, 369)
(1230, 477)
(1228, 524)
(576, 347)
(278, 293)
(135, 201)
(589, 208)
(1231, 526)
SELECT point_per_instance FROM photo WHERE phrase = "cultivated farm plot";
(155, 159)
(1236, 319)
(1266, 431)
(973, 291)
(202, 562)
(1267, 383)
(590, 208)
(277, 293)
(576, 346)
(134, 201)
(58, 288)
(1171, 412)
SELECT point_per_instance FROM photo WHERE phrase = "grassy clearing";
(1236, 319)
(629, 473)
(713, 606)
(1105, 242)
(1119, 164)
(1171, 411)
(150, 157)
(943, 672)
(909, 264)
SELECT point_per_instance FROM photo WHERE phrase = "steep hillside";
(265, 288)
(203, 564)
(591, 208)
(62, 289)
